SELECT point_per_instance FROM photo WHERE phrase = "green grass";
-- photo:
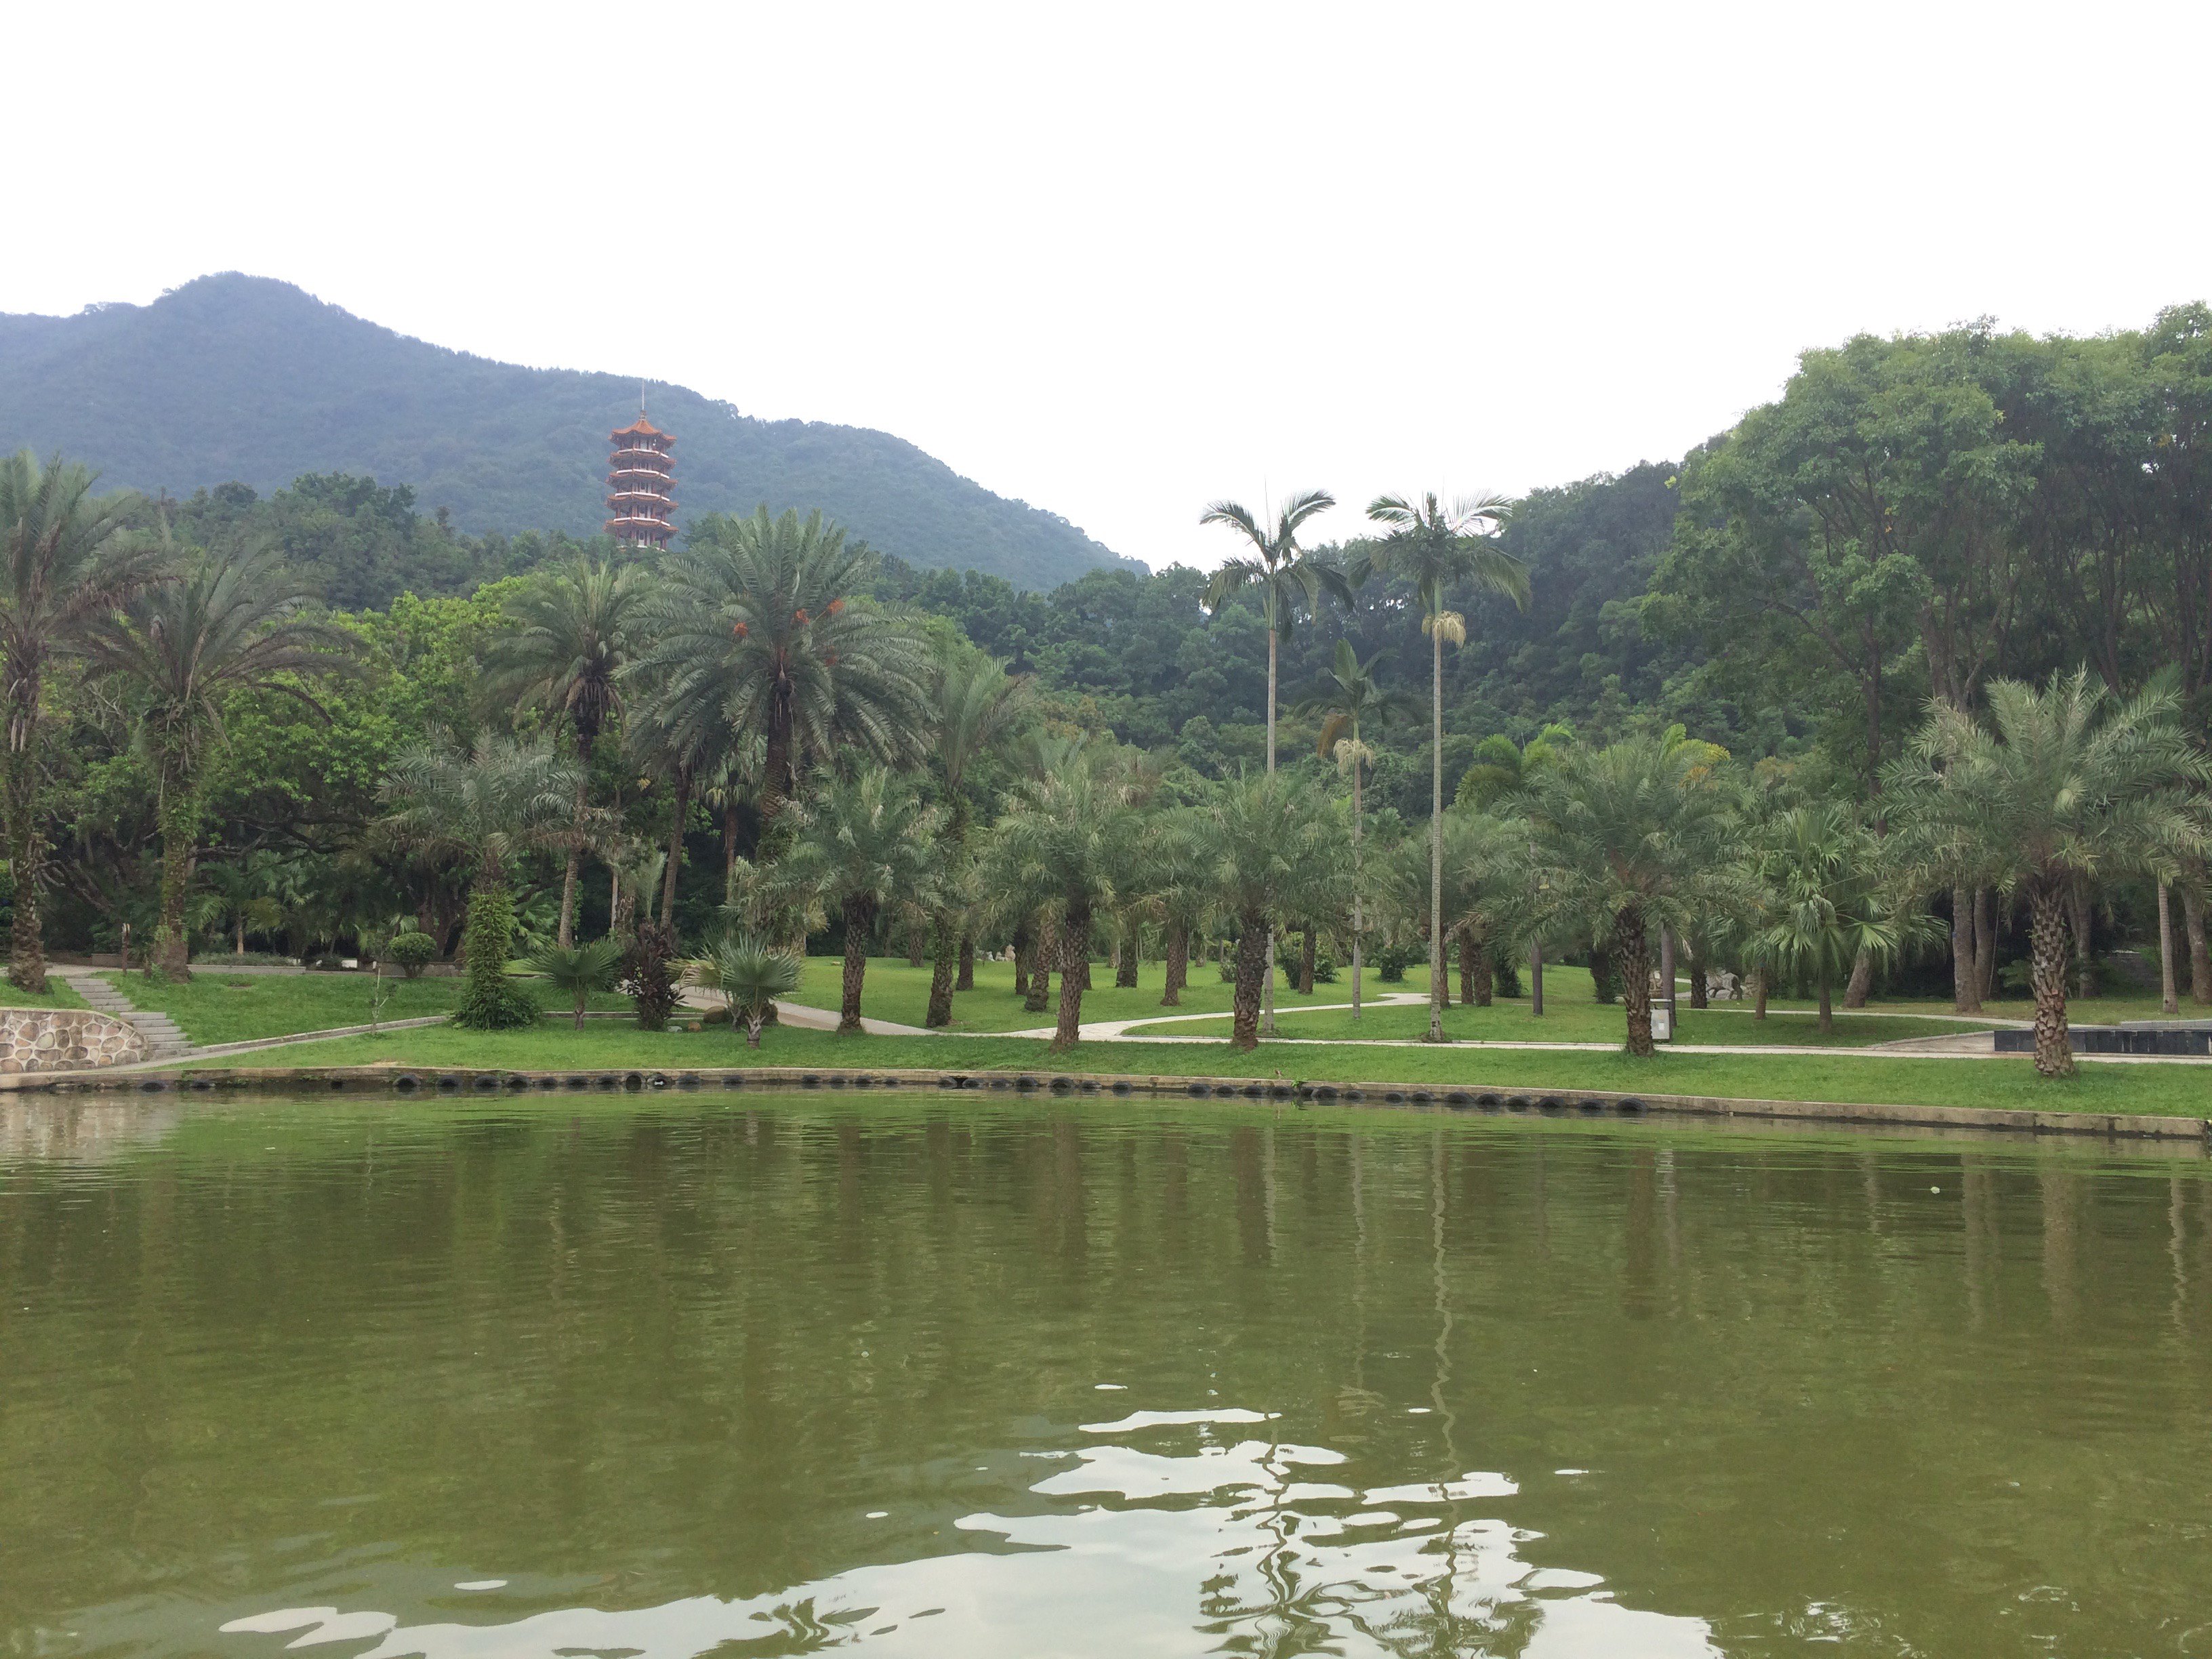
(57, 994)
(896, 992)
(553, 1046)
(1580, 1020)
(215, 1007)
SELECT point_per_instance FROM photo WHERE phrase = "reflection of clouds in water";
(1163, 1553)
(78, 1131)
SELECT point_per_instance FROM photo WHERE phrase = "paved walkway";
(164, 1042)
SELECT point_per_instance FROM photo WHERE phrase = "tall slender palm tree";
(1347, 694)
(1437, 547)
(571, 631)
(66, 559)
(230, 622)
(2065, 788)
(978, 708)
(483, 807)
(1631, 838)
(1290, 580)
(866, 843)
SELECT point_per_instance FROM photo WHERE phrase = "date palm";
(1263, 837)
(865, 843)
(67, 557)
(1633, 837)
(1349, 694)
(229, 623)
(1290, 580)
(978, 707)
(570, 633)
(1437, 547)
(2065, 788)
(1068, 841)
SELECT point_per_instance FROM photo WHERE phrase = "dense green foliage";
(241, 378)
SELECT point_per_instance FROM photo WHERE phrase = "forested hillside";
(234, 377)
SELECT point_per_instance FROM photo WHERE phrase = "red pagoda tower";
(641, 487)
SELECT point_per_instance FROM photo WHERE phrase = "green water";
(741, 1376)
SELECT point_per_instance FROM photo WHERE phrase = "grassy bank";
(57, 994)
(214, 1007)
(1890, 1080)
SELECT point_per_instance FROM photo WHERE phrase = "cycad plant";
(1436, 548)
(570, 633)
(2063, 787)
(579, 969)
(229, 623)
(483, 807)
(1631, 838)
(67, 558)
(866, 843)
(751, 974)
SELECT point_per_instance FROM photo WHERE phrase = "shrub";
(490, 1001)
(579, 969)
(410, 953)
(1324, 968)
(1392, 961)
(648, 975)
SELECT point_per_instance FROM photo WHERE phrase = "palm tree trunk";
(1125, 970)
(945, 949)
(1862, 980)
(966, 982)
(2085, 954)
(1828, 1021)
(857, 918)
(1309, 948)
(1437, 988)
(1251, 965)
(1267, 984)
(2046, 906)
(1758, 1006)
(1075, 944)
(1177, 943)
(27, 955)
(1632, 956)
(180, 832)
(1041, 967)
(1698, 998)
(1358, 920)
(1965, 970)
(915, 944)
(676, 846)
(242, 935)
(567, 934)
(1464, 936)
(2200, 961)
(1023, 944)
(2169, 1000)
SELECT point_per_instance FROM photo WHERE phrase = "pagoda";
(640, 486)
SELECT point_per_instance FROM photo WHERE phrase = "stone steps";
(164, 1040)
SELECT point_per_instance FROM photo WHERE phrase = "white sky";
(1120, 260)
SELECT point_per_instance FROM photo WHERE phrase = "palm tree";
(579, 969)
(866, 843)
(242, 896)
(1437, 548)
(1349, 694)
(760, 629)
(572, 632)
(1819, 864)
(979, 706)
(1628, 838)
(2066, 786)
(1174, 869)
(66, 559)
(751, 974)
(1068, 841)
(230, 622)
(1289, 579)
(483, 807)
(1262, 836)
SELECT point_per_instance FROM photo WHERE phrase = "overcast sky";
(1122, 260)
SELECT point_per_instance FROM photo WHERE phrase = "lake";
(752, 1374)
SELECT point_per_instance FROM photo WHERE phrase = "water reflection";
(81, 1129)
(1165, 1533)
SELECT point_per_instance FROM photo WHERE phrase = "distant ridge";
(237, 377)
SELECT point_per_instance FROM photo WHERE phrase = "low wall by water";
(65, 1039)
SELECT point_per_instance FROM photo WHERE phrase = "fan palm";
(751, 974)
(230, 622)
(978, 707)
(1631, 837)
(1824, 903)
(483, 807)
(1436, 547)
(571, 631)
(866, 843)
(1068, 841)
(1349, 694)
(2063, 788)
(66, 559)
(579, 969)
(1290, 580)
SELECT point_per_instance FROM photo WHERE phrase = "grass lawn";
(57, 994)
(554, 1046)
(896, 992)
(1581, 1020)
(214, 1007)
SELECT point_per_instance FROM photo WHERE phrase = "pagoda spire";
(642, 483)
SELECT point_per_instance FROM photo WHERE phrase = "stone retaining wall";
(65, 1039)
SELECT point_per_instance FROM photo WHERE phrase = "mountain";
(234, 377)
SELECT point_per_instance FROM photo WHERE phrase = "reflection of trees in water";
(79, 1130)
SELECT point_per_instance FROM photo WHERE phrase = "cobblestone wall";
(65, 1039)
